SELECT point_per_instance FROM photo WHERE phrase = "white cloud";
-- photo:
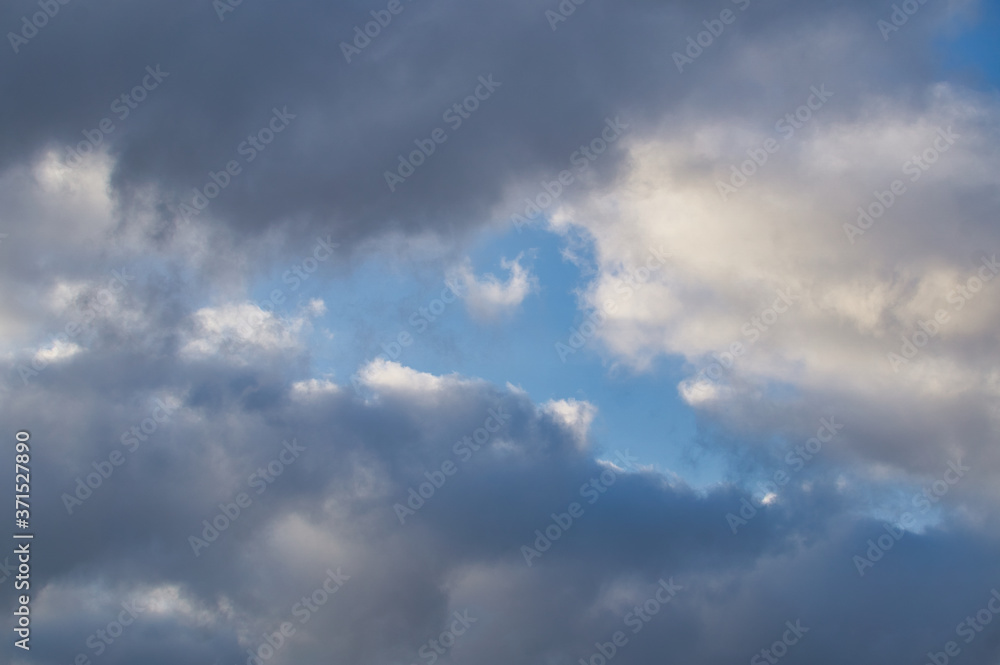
(239, 331)
(314, 388)
(784, 230)
(700, 391)
(488, 297)
(56, 352)
(574, 415)
(388, 376)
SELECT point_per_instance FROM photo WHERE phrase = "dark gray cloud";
(333, 507)
(353, 120)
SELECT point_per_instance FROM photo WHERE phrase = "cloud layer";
(790, 201)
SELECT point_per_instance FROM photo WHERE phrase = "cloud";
(58, 351)
(235, 328)
(778, 283)
(331, 510)
(488, 297)
(326, 167)
(390, 376)
(166, 406)
(575, 415)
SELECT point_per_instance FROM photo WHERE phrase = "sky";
(565, 332)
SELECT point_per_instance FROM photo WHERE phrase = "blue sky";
(638, 410)
(972, 51)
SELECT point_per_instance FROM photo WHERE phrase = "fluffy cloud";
(242, 331)
(327, 509)
(326, 167)
(773, 280)
(488, 297)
